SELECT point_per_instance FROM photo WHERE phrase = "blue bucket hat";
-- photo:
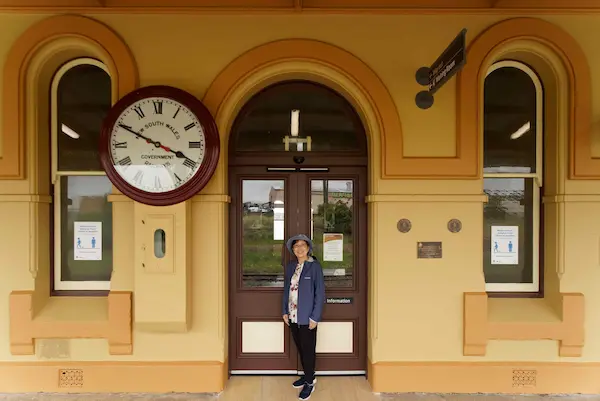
(299, 237)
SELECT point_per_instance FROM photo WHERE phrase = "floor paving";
(269, 388)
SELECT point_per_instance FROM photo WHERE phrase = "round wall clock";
(159, 145)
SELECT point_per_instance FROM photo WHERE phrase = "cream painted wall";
(418, 304)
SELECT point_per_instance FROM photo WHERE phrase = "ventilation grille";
(524, 378)
(70, 378)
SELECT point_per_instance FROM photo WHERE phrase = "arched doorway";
(297, 164)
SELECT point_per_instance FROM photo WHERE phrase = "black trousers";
(306, 342)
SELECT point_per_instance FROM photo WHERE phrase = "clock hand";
(128, 128)
(155, 143)
(179, 154)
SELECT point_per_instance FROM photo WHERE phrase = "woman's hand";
(286, 319)
(312, 324)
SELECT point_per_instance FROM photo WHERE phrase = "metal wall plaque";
(454, 225)
(404, 225)
(429, 250)
(340, 300)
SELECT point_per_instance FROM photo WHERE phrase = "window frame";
(536, 287)
(58, 285)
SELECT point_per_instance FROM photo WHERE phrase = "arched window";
(298, 116)
(82, 245)
(513, 178)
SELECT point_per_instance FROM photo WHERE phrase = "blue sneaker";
(302, 381)
(306, 391)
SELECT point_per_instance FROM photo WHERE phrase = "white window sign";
(505, 245)
(87, 240)
(333, 247)
(278, 221)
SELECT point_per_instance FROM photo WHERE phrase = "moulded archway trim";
(31, 62)
(120, 63)
(581, 163)
(335, 58)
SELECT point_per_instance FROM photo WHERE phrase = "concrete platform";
(277, 388)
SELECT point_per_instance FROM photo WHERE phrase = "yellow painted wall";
(416, 312)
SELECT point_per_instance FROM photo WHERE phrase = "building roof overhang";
(304, 6)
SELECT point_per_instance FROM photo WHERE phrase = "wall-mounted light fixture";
(521, 131)
(68, 131)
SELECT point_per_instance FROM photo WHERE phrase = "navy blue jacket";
(311, 291)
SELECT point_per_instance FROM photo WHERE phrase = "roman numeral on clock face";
(139, 111)
(139, 175)
(189, 126)
(125, 162)
(120, 145)
(158, 106)
(195, 145)
(189, 163)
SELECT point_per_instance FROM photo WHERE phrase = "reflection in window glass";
(83, 99)
(85, 199)
(331, 227)
(510, 204)
(263, 232)
(509, 122)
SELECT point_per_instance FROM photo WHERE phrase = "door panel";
(259, 225)
(268, 208)
(337, 224)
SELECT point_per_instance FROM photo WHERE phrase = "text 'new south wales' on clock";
(159, 145)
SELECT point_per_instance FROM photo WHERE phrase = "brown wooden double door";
(268, 206)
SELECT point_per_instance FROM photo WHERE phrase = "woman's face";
(300, 249)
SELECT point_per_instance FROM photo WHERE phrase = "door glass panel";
(332, 222)
(263, 232)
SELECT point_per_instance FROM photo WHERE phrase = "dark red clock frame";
(211, 155)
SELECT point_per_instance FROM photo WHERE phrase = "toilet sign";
(87, 240)
(505, 245)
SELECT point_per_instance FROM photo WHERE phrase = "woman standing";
(303, 299)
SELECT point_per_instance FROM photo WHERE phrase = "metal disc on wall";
(454, 226)
(404, 225)
(424, 100)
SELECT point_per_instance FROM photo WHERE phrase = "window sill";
(522, 319)
(71, 317)
(523, 310)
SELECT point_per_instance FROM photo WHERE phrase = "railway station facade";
(458, 239)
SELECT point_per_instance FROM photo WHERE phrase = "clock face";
(157, 144)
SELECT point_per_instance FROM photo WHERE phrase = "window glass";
(84, 208)
(263, 235)
(509, 122)
(83, 99)
(508, 234)
(332, 220)
(266, 121)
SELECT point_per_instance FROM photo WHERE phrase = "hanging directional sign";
(445, 67)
